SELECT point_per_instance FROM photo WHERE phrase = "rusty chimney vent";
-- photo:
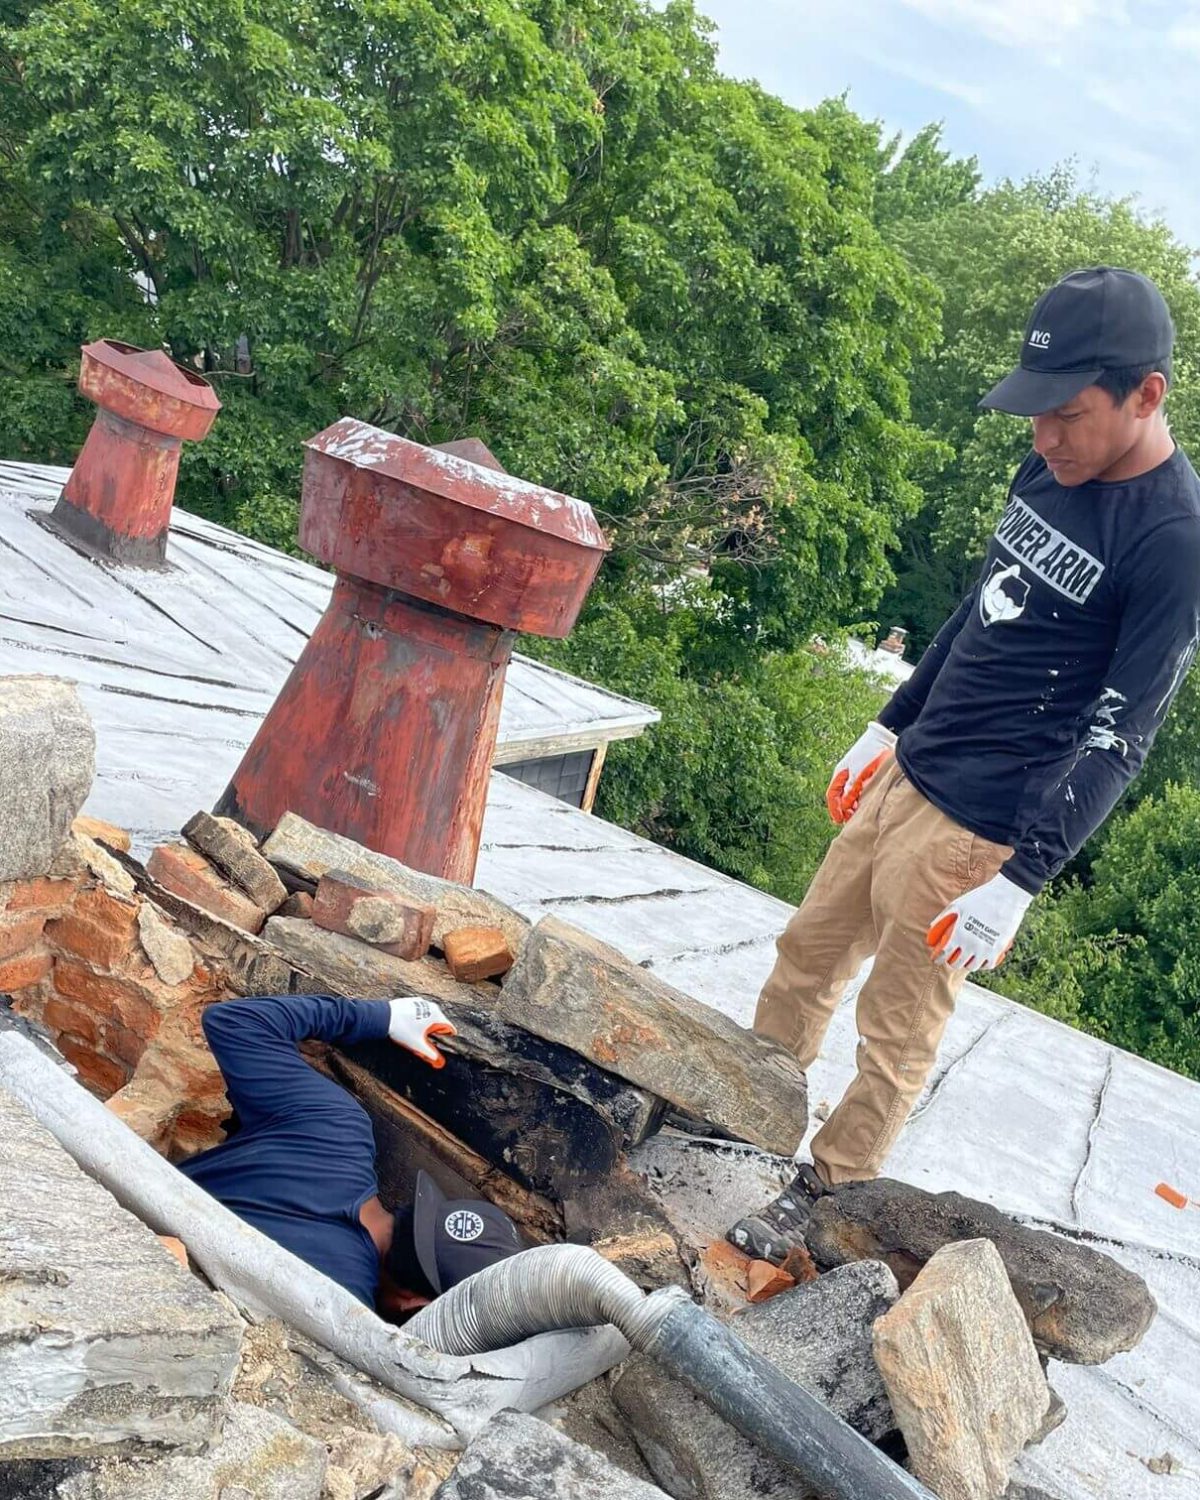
(117, 501)
(894, 643)
(385, 730)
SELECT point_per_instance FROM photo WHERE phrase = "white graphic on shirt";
(463, 1225)
(1047, 553)
(1003, 595)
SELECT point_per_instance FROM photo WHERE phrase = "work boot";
(780, 1226)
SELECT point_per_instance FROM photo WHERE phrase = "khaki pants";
(886, 876)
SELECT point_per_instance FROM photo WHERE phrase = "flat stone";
(517, 1457)
(1081, 1305)
(819, 1336)
(257, 1457)
(307, 851)
(231, 848)
(622, 1221)
(962, 1373)
(48, 751)
(102, 832)
(247, 965)
(106, 1344)
(573, 989)
(703, 1186)
(169, 951)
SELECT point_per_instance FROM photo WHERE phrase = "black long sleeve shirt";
(303, 1162)
(1035, 705)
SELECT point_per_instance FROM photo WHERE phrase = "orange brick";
(87, 940)
(102, 832)
(26, 969)
(475, 953)
(101, 1074)
(763, 1281)
(119, 1000)
(116, 914)
(19, 933)
(359, 909)
(26, 895)
(78, 1020)
(189, 875)
(125, 1045)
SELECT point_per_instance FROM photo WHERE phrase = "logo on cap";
(463, 1225)
(1040, 338)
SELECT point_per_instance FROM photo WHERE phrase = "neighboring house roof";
(193, 656)
(885, 664)
(1051, 1125)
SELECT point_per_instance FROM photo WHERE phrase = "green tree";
(1120, 957)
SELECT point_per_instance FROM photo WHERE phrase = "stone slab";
(520, 1456)
(962, 1373)
(106, 1344)
(258, 1456)
(231, 848)
(308, 851)
(819, 1336)
(1081, 1305)
(573, 989)
(48, 752)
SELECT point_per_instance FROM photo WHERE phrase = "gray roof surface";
(1053, 1126)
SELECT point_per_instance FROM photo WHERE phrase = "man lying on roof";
(300, 1164)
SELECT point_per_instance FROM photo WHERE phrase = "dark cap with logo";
(1090, 321)
(455, 1237)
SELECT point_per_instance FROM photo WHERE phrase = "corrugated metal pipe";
(571, 1286)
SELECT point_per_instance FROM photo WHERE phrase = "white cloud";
(1035, 24)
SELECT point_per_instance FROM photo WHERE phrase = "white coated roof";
(1055, 1127)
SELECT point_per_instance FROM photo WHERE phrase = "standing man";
(1022, 725)
(300, 1162)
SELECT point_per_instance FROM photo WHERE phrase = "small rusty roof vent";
(117, 501)
(385, 730)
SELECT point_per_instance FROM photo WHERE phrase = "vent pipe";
(117, 501)
(386, 728)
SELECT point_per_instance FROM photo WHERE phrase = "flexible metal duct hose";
(571, 1286)
(552, 1286)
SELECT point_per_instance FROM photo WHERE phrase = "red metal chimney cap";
(439, 472)
(156, 370)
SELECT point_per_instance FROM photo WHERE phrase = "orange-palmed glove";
(851, 774)
(414, 1020)
(976, 931)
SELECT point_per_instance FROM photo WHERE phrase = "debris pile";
(924, 1322)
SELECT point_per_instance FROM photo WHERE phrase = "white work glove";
(414, 1020)
(977, 930)
(856, 768)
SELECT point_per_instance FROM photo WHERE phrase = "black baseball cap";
(1090, 321)
(455, 1237)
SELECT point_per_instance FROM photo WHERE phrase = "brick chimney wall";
(73, 956)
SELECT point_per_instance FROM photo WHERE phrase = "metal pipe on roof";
(385, 730)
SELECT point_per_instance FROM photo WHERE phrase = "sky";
(1021, 84)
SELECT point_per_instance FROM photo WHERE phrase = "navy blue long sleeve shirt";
(303, 1162)
(1035, 705)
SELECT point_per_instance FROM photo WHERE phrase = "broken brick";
(475, 953)
(25, 969)
(232, 850)
(298, 904)
(99, 928)
(189, 876)
(102, 832)
(763, 1281)
(799, 1265)
(100, 1074)
(720, 1275)
(40, 894)
(19, 933)
(356, 908)
(76, 1020)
